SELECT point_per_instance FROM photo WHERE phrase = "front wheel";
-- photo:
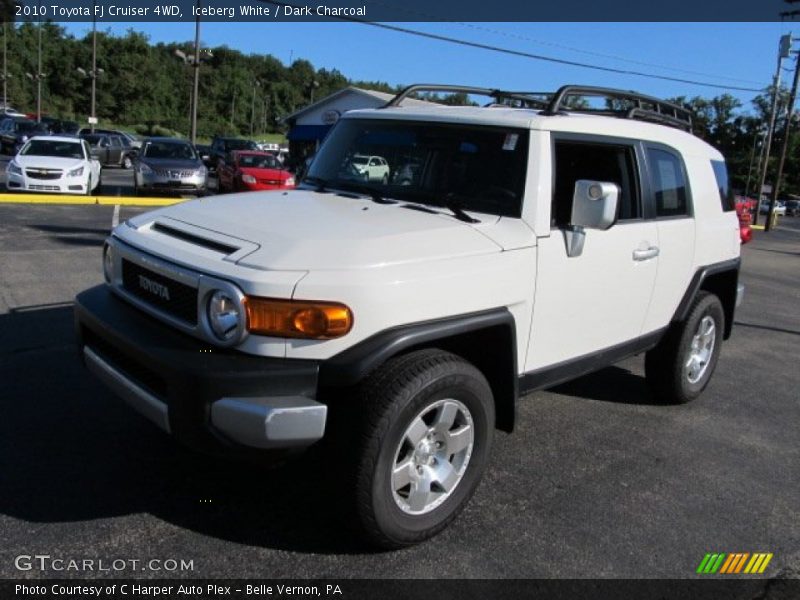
(680, 367)
(429, 427)
(127, 162)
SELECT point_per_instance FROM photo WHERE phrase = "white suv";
(534, 244)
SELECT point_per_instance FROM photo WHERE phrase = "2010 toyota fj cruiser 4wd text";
(526, 244)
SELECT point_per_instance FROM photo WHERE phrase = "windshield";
(481, 167)
(25, 126)
(58, 149)
(257, 161)
(240, 145)
(173, 150)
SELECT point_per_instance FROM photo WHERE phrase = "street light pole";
(785, 145)
(196, 66)
(93, 120)
(5, 65)
(39, 79)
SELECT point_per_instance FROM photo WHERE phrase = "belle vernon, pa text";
(135, 589)
(100, 11)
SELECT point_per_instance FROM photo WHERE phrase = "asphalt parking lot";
(597, 481)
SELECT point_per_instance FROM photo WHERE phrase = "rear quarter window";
(725, 193)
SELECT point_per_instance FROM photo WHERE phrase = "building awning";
(307, 133)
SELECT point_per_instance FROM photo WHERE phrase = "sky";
(727, 54)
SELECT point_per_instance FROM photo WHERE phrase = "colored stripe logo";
(734, 563)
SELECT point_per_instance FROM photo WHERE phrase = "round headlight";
(108, 263)
(224, 315)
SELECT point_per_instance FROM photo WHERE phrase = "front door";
(589, 303)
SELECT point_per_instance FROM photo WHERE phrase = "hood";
(171, 163)
(48, 162)
(304, 230)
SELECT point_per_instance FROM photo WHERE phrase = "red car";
(744, 210)
(249, 170)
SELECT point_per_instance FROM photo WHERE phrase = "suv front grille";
(172, 297)
(175, 173)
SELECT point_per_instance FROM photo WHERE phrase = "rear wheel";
(427, 437)
(680, 367)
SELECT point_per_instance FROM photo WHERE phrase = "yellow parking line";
(759, 227)
(67, 199)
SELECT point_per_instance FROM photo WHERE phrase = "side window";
(669, 183)
(614, 163)
(115, 143)
(725, 193)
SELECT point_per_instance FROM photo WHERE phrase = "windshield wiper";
(320, 183)
(367, 190)
(453, 202)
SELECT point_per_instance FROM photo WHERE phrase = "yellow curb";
(104, 200)
(759, 227)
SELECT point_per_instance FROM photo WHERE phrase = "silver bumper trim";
(141, 400)
(277, 422)
(739, 294)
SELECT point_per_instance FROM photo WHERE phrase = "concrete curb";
(104, 200)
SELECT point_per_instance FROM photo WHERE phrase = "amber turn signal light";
(297, 318)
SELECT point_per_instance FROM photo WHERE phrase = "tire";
(89, 186)
(424, 397)
(127, 162)
(385, 180)
(670, 375)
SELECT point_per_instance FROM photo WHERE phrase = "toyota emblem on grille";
(153, 287)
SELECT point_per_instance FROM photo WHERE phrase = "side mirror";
(594, 206)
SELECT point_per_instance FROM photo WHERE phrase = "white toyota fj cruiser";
(526, 244)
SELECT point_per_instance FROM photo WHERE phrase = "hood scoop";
(231, 248)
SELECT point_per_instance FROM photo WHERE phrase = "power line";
(561, 61)
(530, 55)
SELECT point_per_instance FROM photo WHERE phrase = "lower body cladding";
(211, 399)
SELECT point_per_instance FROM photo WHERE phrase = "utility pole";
(784, 147)
(233, 106)
(253, 107)
(784, 50)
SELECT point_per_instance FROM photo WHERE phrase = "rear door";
(589, 303)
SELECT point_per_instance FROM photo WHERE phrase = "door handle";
(646, 254)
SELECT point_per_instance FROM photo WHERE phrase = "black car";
(15, 132)
(111, 150)
(58, 126)
(221, 147)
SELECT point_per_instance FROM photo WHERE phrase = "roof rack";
(645, 108)
(524, 98)
(633, 105)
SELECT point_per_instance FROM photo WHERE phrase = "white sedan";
(52, 163)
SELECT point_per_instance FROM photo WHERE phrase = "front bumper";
(156, 181)
(63, 185)
(209, 398)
